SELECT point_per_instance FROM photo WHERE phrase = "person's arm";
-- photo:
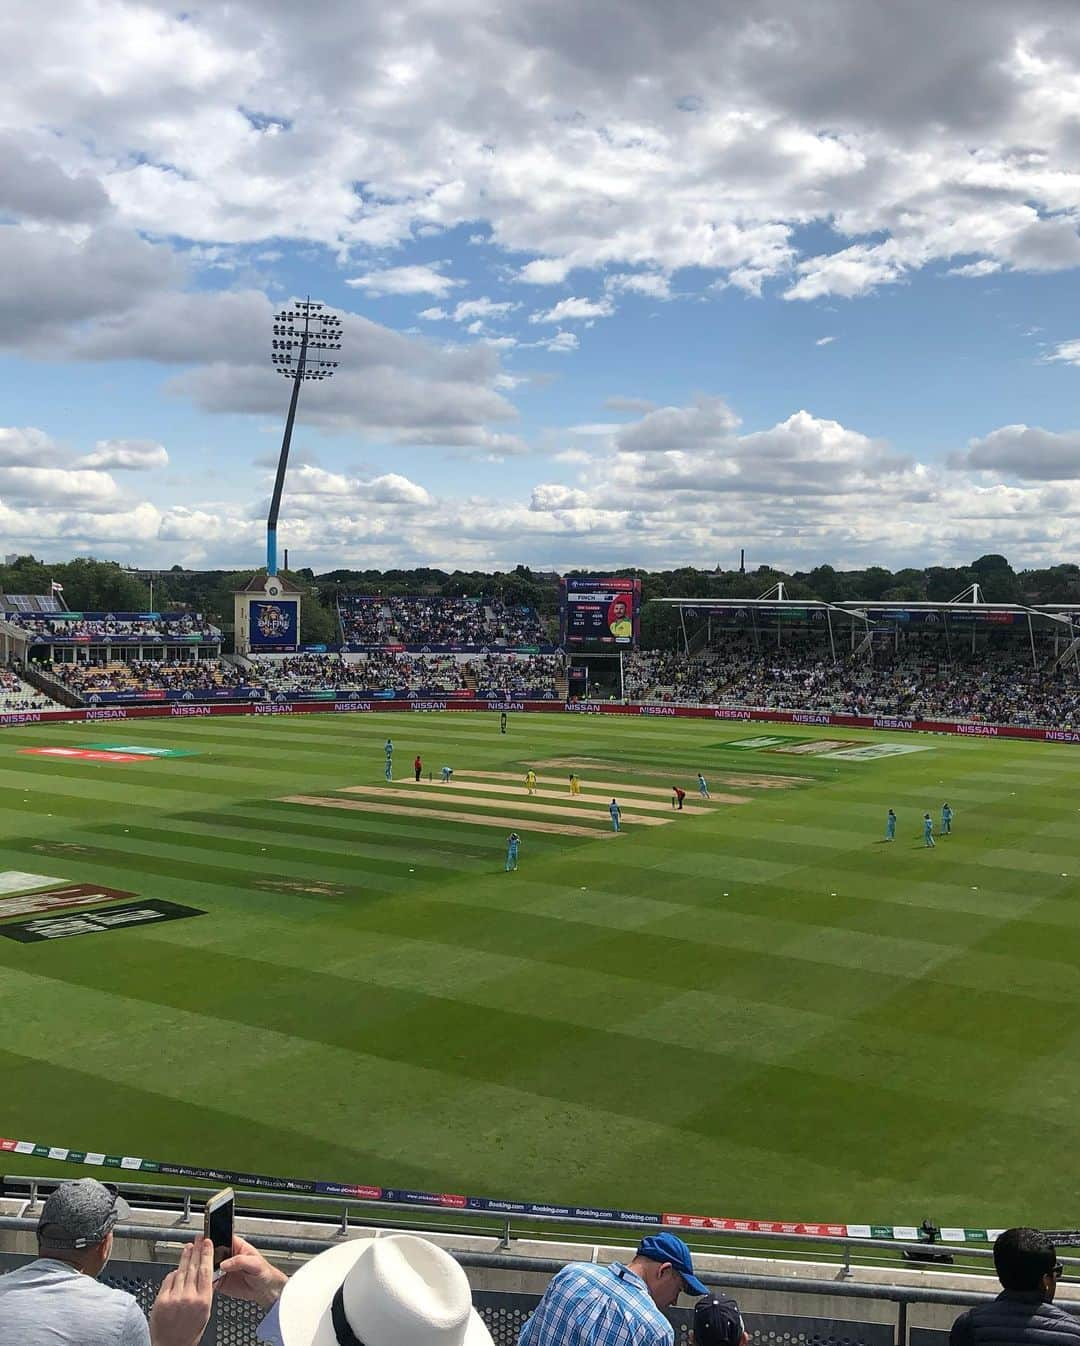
(182, 1307)
(960, 1334)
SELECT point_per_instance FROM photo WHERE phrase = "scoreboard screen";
(600, 615)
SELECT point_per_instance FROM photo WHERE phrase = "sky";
(621, 283)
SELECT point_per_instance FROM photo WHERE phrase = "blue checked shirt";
(588, 1305)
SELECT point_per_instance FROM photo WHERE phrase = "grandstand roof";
(257, 584)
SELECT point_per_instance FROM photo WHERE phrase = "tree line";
(105, 586)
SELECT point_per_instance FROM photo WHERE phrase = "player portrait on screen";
(619, 623)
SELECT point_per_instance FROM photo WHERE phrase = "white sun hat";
(394, 1291)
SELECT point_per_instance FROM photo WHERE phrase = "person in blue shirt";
(928, 830)
(614, 1305)
(890, 826)
(702, 787)
(616, 815)
(513, 841)
(946, 819)
(447, 774)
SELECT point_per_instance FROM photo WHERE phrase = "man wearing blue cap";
(615, 1305)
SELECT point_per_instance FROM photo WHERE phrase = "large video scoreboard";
(600, 615)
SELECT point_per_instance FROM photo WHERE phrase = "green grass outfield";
(759, 1011)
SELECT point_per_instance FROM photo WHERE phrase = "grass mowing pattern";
(762, 1011)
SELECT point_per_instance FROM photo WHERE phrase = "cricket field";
(754, 1008)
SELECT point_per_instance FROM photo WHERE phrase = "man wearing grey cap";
(57, 1300)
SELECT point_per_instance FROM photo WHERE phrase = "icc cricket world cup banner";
(273, 624)
(600, 614)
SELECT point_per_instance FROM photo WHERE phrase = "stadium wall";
(965, 729)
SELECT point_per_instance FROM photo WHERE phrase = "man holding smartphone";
(57, 1299)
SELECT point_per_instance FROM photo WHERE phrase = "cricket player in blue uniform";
(946, 819)
(616, 814)
(389, 750)
(928, 830)
(447, 773)
(890, 826)
(702, 787)
(513, 841)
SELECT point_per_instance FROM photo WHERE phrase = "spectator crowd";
(994, 685)
(97, 627)
(437, 621)
(385, 669)
(144, 675)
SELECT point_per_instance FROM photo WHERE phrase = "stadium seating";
(144, 676)
(374, 672)
(992, 685)
(99, 627)
(535, 675)
(15, 695)
(436, 621)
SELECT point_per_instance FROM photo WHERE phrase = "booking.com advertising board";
(600, 615)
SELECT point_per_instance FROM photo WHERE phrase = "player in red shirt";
(417, 766)
(677, 797)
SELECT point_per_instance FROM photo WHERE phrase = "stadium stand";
(15, 694)
(517, 674)
(138, 675)
(373, 672)
(991, 685)
(417, 621)
(536, 675)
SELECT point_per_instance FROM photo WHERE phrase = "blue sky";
(621, 285)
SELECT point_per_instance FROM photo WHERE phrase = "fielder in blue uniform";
(928, 830)
(616, 815)
(946, 819)
(890, 826)
(702, 787)
(513, 841)
(447, 774)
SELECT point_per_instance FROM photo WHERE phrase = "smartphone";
(218, 1226)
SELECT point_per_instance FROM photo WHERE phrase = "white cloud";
(654, 284)
(1026, 452)
(824, 341)
(405, 280)
(575, 310)
(483, 308)
(27, 446)
(126, 455)
(985, 267)
(1065, 352)
(433, 314)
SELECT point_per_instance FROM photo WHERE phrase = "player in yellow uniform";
(575, 784)
(530, 781)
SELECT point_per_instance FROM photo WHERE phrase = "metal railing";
(347, 1212)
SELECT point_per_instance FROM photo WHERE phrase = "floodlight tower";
(299, 330)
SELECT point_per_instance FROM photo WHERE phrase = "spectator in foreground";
(718, 1322)
(1023, 1314)
(591, 1305)
(57, 1299)
(399, 1290)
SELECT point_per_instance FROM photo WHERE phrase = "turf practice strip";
(756, 1009)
